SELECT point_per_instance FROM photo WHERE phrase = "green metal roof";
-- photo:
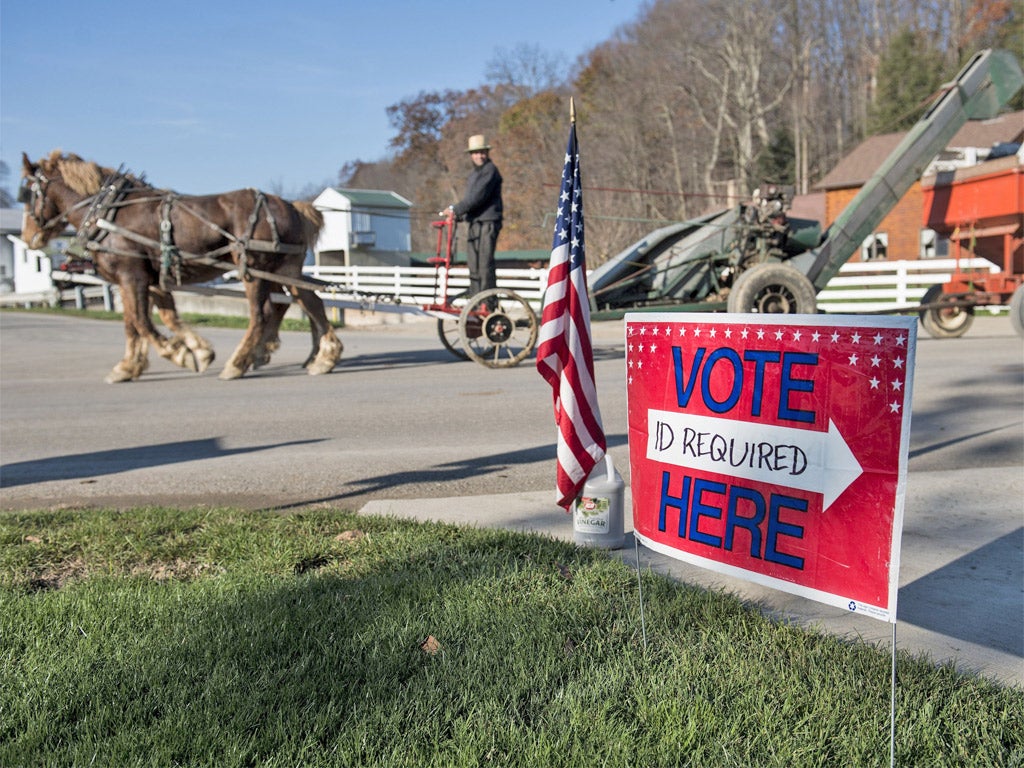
(374, 198)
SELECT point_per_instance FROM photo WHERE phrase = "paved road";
(401, 421)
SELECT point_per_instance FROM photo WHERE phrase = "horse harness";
(100, 221)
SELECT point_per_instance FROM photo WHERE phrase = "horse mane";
(312, 221)
(83, 176)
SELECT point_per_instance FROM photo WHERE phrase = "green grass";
(194, 319)
(228, 638)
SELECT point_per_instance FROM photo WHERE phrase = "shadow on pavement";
(947, 600)
(82, 465)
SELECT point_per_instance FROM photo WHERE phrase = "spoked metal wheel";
(448, 328)
(498, 328)
(451, 337)
(944, 322)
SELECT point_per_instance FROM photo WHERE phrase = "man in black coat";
(481, 207)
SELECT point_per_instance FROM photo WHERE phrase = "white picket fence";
(859, 287)
(889, 285)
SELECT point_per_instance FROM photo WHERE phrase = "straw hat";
(478, 143)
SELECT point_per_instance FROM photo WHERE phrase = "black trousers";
(480, 242)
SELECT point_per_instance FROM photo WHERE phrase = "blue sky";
(217, 95)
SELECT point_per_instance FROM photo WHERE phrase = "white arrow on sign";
(819, 462)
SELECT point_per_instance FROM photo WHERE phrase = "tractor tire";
(1017, 310)
(944, 322)
(772, 288)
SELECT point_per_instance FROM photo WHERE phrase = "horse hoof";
(118, 375)
(231, 372)
(319, 367)
(185, 359)
(203, 359)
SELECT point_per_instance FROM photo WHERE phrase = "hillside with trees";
(686, 110)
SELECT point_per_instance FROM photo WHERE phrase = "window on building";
(933, 245)
(361, 222)
(875, 247)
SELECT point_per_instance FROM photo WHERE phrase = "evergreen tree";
(776, 162)
(910, 73)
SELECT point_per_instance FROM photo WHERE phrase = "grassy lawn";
(193, 319)
(221, 637)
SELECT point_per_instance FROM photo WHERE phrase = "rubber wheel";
(772, 288)
(944, 322)
(448, 330)
(1017, 310)
(498, 328)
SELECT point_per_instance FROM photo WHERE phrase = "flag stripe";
(564, 354)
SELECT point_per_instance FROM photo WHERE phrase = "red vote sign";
(774, 448)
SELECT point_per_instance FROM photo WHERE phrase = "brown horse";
(147, 240)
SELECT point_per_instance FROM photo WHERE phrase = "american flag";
(564, 356)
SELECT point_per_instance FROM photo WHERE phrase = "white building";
(10, 229)
(363, 227)
(24, 270)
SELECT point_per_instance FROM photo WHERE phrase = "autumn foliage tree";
(685, 110)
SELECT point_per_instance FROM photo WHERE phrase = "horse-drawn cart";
(150, 241)
(496, 327)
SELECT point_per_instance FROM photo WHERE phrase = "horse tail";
(312, 222)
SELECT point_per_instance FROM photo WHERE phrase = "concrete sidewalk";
(961, 597)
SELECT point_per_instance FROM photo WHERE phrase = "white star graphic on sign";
(875, 361)
(874, 383)
(815, 336)
(898, 362)
(855, 338)
(894, 406)
(897, 385)
(853, 359)
(878, 339)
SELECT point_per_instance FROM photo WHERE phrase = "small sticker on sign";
(591, 515)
